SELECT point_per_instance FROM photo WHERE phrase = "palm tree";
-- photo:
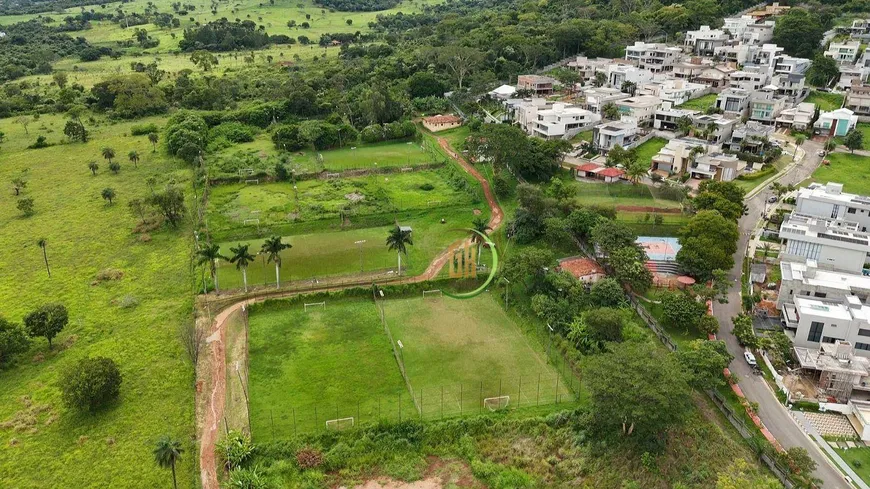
(134, 158)
(93, 167)
(108, 194)
(108, 153)
(166, 454)
(43, 243)
(242, 258)
(694, 152)
(210, 254)
(480, 225)
(765, 248)
(153, 138)
(636, 171)
(273, 248)
(798, 141)
(397, 240)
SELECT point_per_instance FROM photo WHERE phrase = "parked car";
(772, 199)
(821, 152)
(750, 358)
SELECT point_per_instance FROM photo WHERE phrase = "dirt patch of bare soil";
(439, 475)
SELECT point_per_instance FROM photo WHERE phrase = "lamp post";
(359, 245)
(507, 289)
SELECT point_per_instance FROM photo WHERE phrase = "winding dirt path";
(211, 375)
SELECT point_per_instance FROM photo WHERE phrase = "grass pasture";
(618, 194)
(701, 103)
(848, 169)
(328, 363)
(825, 101)
(459, 352)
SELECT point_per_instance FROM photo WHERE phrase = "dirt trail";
(213, 380)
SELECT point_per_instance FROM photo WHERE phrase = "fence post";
(557, 389)
(520, 392)
(460, 399)
(538, 398)
(294, 421)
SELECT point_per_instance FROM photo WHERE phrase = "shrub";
(234, 132)
(90, 384)
(309, 458)
(143, 129)
(427, 187)
(235, 449)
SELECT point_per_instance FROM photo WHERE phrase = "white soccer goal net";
(314, 305)
(252, 181)
(496, 403)
(339, 424)
(432, 293)
(249, 222)
(333, 176)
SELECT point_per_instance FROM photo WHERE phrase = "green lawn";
(643, 223)
(858, 459)
(585, 136)
(853, 171)
(680, 336)
(456, 136)
(323, 364)
(755, 179)
(620, 194)
(701, 103)
(467, 351)
(46, 444)
(825, 101)
(647, 150)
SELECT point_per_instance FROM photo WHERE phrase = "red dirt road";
(214, 382)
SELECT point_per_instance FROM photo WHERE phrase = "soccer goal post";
(248, 222)
(339, 424)
(314, 305)
(252, 181)
(430, 203)
(432, 293)
(333, 176)
(496, 403)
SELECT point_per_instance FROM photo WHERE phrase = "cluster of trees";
(509, 149)
(800, 31)
(45, 321)
(29, 48)
(357, 5)
(314, 134)
(223, 35)
(709, 239)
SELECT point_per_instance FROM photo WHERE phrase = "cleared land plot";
(327, 363)
(701, 103)
(618, 194)
(853, 171)
(825, 101)
(650, 148)
(467, 351)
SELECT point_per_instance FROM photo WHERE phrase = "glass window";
(864, 332)
(815, 333)
(862, 346)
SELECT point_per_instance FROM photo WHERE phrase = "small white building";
(836, 122)
(844, 52)
(598, 97)
(676, 156)
(503, 92)
(562, 121)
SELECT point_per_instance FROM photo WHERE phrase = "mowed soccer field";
(464, 356)
(308, 367)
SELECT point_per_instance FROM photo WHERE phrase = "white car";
(821, 153)
(750, 358)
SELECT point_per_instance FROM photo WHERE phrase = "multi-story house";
(829, 201)
(735, 53)
(791, 85)
(798, 117)
(749, 137)
(539, 85)
(705, 40)
(654, 57)
(836, 122)
(736, 26)
(860, 28)
(621, 133)
(844, 52)
(858, 99)
(617, 74)
(641, 108)
(587, 67)
(674, 91)
(832, 244)
(818, 323)
(525, 111)
(562, 121)
(715, 77)
(676, 156)
(758, 34)
(788, 65)
(765, 105)
(733, 101)
(852, 75)
(750, 79)
(765, 55)
(598, 97)
(689, 70)
(716, 128)
(666, 117)
(806, 279)
(717, 166)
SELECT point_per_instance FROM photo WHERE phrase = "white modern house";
(832, 244)
(641, 108)
(836, 122)
(844, 52)
(765, 105)
(806, 279)
(674, 91)
(717, 127)
(717, 166)
(598, 97)
(617, 74)
(815, 322)
(733, 101)
(852, 75)
(561, 121)
(705, 40)
(676, 156)
(858, 100)
(666, 117)
(655, 57)
(829, 201)
(798, 117)
(617, 133)
(749, 80)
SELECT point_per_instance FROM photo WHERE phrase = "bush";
(235, 449)
(143, 129)
(90, 384)
(309, 458)
(427, 187)
(234, 132)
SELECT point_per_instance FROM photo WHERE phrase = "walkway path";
(212, 372)
(814, 434)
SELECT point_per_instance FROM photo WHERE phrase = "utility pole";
(359, 245)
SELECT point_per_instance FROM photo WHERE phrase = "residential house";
(818, 323)
(717, 166)
(858, 99)
(539, 85)
(829, 201)
(437, 123)
(705, 40)
(735, 53)
(714, 77)
(798, 117)
(790, 85)
(769, 10)
(736, 26)
(525, 111)
(860, 28)
(806, 279)
(733, 101)
(749, 137)
(654, 57)
(587, 67)
(844, 52)
(716, 128)
(562, 121)
(666, 117)
(836, 122)
(765, 105)
(599, 172)
(787, 65)
(766, 54)
(674, 91)
(689, 70)
(852, 75)
(833, 244)
(837, 373)
(641, 108)
(758, 34)
(598, 97)
(676, 156)
(749, 80)
(503, 92)
(623, 132)
(617, 74)
(584, 269)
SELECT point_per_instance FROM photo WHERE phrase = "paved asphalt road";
(775, 416)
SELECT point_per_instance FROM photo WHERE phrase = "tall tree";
(108, 153)
(210, 254)
(153, 138)
(18, 184)
(705, 360)
(167, 452)
(823, 71)
(273, 247)
(461, 61)
(47, 321)
(242, 258)
(798, 141)
(708, 242)
(799, 32)
(134, 158)
(854, 140)
(13, 341)
(398, 241)
(43, 243)
(480, 225)
(93, 167)
(108, 194)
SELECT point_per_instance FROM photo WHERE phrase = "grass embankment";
(133, 320)
(701, 103)
(825, 100)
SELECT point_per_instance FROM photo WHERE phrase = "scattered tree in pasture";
(137, 208)
(90, 384)
(24, 121)
(43, 244)
(108, 194)
(25, 205)
(47, 321)
(167, 452)
(108, 154)
(93, 167)
(204, 60)
(133, 156)
(272, 248)
(13, 341)
(153, 138)
(115, 167)
(170, 204)
(18, 184)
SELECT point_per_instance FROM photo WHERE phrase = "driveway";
(774, 415)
